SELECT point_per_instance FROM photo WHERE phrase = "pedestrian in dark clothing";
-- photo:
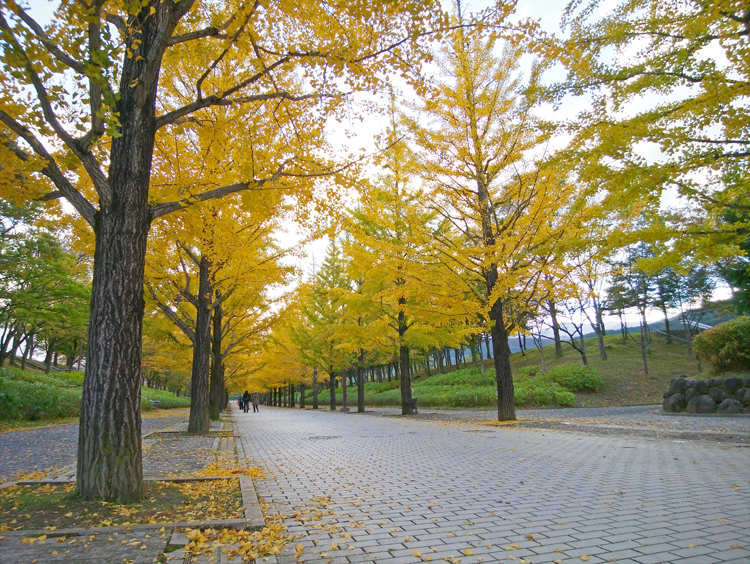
(246, 401)
(256, 402)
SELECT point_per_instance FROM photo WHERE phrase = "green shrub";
(529, 371)
(565, 398)
(726, 346)
(35, 400)
(167, 400)
(466, 377)
(58, 380)
(575, 377)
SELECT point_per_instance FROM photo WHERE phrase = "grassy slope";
(625, 382)
(32, 395)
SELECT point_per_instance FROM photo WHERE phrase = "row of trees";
(44, 290)
(140, 113)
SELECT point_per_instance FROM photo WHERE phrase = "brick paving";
(396, 485)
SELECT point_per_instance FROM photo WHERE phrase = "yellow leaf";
(152, 11)
(529, 536)
(585, 558)
(468, 552)
(428, 558)
(691, 546)
(416, 554)
(736, 546)
(68, 514)
(407, 539)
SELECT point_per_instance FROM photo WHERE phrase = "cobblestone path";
(358, 488)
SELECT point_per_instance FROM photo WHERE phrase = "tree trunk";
(109, 440)
(555, 328)
(217, 381)
(47, 356)
(291, 395)
(332, 389)
(17, 340)
(199, 381)
(70, 359)
(584, 358)
(439, 362)
(315, 388)
(302, 396)
(403, 356)
(520, 345)
(344, 380)
(688, 335)
(361, 382)
(506, 408)
(29, 348)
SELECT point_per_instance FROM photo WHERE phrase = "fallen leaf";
(557, 549)
(691, 546)
(585, 558)
(468, 552)
(736, 546)
(529, 536)
(416, 554)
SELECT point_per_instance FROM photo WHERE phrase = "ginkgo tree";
(665, 136)
(479, 152)
(83, 99)
(214, 284)
(403, 298)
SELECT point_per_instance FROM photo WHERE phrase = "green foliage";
(31, 396)
(576, 377)
(541, 391)
(33, 399)
(726, 345)
(467, 377)
(167, 400)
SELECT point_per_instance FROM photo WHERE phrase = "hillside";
(623, 377)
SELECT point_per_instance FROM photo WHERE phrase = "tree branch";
(52, 171)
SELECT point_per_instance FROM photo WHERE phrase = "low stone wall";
(717, 395)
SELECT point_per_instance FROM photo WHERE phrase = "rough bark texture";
(109, 442)
(217, 381)
(506, 406)
(199, 388)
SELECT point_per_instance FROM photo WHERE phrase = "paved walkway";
(645, 420)
(357, 488)
(39, 449)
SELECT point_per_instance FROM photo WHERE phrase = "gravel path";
(39, 449)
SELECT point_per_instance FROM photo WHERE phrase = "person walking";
(246, 401)
(256, 402)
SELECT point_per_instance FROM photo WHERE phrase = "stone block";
(732, 384)
(717, 394)
(729, 406)
(676, 402)
(701, 404)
